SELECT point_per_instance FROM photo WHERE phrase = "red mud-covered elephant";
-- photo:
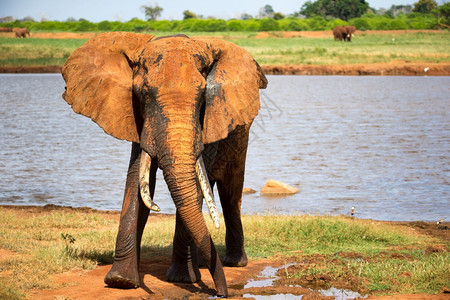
(21, 32)
(186, 105)
(344, 33)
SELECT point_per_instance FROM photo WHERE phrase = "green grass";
(36, 52)
(365, 48)
(388, 258)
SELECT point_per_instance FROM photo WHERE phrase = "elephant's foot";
(122, 278)
(238, 259)
(183, 272)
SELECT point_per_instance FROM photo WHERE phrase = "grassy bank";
(275, 49)
(367, 256)
(364, 49)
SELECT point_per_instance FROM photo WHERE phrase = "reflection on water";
(377, 143)
(268, 275)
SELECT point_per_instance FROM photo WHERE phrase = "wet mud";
(259, 280)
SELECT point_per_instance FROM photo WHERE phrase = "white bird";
(352, 211)
(426, 69)
(440, 221)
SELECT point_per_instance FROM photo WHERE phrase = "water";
(268, 276)
(380, 144)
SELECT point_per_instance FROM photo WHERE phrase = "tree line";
(313, 16)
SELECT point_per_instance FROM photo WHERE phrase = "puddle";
(267, 277)
(273, 297)
(340, 294)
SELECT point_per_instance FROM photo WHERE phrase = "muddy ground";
(83, 284)
(400, 67)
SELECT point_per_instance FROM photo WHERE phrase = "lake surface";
(380, 144)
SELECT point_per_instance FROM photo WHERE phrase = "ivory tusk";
(144, 181)
(206, 190)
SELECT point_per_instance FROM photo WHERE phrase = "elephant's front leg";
(184, 266)
(125, 270)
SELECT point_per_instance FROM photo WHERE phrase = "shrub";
(268, 24)
(163, 25)
(360, 24)
(235, 25)
(216, 25)
(397, 24)
(85, 25)
(105, 26)
(317, 23)
(252, 25)
(293, 24)
(336, 22)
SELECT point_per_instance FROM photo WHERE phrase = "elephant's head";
(171, 95)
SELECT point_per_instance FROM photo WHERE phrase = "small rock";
(275, 187)
(248, 191)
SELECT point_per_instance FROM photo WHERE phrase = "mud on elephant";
(186, 105)
(21, 32)
(344, 33)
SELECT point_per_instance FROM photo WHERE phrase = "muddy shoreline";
(88, 284)
(381, 69)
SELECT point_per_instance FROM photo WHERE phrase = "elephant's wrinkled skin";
(177, 99)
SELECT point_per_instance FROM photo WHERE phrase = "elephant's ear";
(232, 90)
(98, 79)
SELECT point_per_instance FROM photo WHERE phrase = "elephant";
(350, 31)
(21, 32)
(186, 105)
(5, 29)
(344, 33)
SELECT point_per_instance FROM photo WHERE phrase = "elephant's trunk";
(177, 157)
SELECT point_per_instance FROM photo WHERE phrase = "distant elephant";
(350, 31)
(21, 32)
(344, 33)
(186, 105)
(5, 29)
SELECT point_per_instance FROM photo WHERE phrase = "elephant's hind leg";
(230, 192)
(230, 184)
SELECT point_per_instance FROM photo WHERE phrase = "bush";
(368, 21)
(268, 24)
(252, 25)
(85, 25)
(216, 25)
(317, 23)
(397, 24)
(163, 25)
(105, 26)
(293, 24)
(360, 24)
(336, 22)
(235, 25)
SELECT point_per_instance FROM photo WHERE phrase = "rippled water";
(380, 144)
